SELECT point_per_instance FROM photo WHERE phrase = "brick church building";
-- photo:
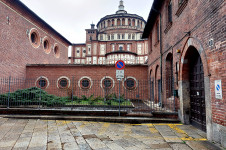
(178, 56)
(117, 37)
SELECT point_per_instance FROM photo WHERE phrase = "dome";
(121, 13)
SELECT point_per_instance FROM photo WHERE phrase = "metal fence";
(134, 96)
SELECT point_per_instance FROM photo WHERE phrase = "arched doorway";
(197, 91)
(169, 75)
(157, 86)
(194, 102)
(151, 80)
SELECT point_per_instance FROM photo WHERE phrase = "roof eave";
(157, 5)
(36, 17)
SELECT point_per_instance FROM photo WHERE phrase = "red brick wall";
(95, 72)
(16, 49)
(205, 21)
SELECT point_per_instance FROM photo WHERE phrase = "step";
(131, 120)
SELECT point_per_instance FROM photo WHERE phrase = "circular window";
(46, 45)
(107, 82)
(34, 38)
(56, 51)
(63, 82)
(85, 83)
(42, 82)
(130, 83)
(84, 51)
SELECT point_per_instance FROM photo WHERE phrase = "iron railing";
(138, 96)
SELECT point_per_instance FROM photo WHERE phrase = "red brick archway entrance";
(197, 91)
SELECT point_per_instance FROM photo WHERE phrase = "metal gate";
(197, 95)
(136, 96)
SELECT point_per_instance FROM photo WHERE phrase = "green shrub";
(32, 96)
(37, 96)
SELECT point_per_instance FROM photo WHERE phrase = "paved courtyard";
(35, 134)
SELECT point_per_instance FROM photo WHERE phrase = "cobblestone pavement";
(35, 134)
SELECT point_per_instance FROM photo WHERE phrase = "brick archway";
(169, 75)
(192, 46)
(196, 43)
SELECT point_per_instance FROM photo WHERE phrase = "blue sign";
(218, 87)
(120, 65)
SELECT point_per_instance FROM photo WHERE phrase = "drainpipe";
(160, 36)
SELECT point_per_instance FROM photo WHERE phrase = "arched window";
(118, 22)
(113, 22)
(133, 23)
(123, 21)
(109, 23)
(129, 22)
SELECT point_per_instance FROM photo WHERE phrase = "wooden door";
(197, 94)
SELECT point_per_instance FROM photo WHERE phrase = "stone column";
(115, 22)
(136, 22)
(126, 21)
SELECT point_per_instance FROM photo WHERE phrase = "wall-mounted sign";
(218, 89)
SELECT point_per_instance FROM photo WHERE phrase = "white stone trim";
(129, 78)
(107, 77)
(39, 38)
(56, 45)
(69, 82)
(42, 42)
(42, 77)
(91, 82)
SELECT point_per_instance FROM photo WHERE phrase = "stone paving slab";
(36, 134)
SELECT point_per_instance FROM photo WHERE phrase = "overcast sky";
(71, 17)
